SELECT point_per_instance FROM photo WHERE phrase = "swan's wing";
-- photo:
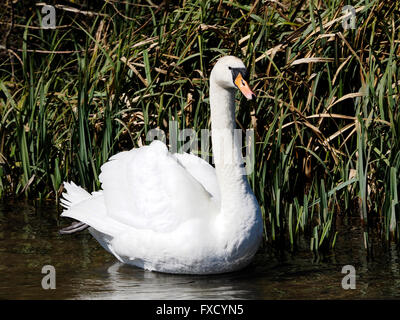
(148, 188)
(202, 171)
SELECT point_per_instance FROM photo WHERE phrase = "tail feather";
(73, 195)
(89, 209)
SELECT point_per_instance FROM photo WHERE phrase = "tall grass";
(326, 118)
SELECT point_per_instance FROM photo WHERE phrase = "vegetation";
(326, 118)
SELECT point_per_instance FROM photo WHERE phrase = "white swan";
(175, 213)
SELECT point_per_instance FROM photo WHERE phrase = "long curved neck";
(227, 152)
(239, 222)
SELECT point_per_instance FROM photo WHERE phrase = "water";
(29, 240)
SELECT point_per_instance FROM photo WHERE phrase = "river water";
(29, 240)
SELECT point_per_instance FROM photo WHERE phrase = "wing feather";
(202, 171)
(148, 188)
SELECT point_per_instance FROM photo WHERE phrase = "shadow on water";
(29, 240)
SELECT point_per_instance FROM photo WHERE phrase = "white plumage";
(176, 213)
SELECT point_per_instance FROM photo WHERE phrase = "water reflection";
(125, 282)
(29, 240)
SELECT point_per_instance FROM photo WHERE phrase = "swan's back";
(149, 188)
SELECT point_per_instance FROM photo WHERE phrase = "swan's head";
(230, 73)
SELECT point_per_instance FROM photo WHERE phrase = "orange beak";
(244, 87)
